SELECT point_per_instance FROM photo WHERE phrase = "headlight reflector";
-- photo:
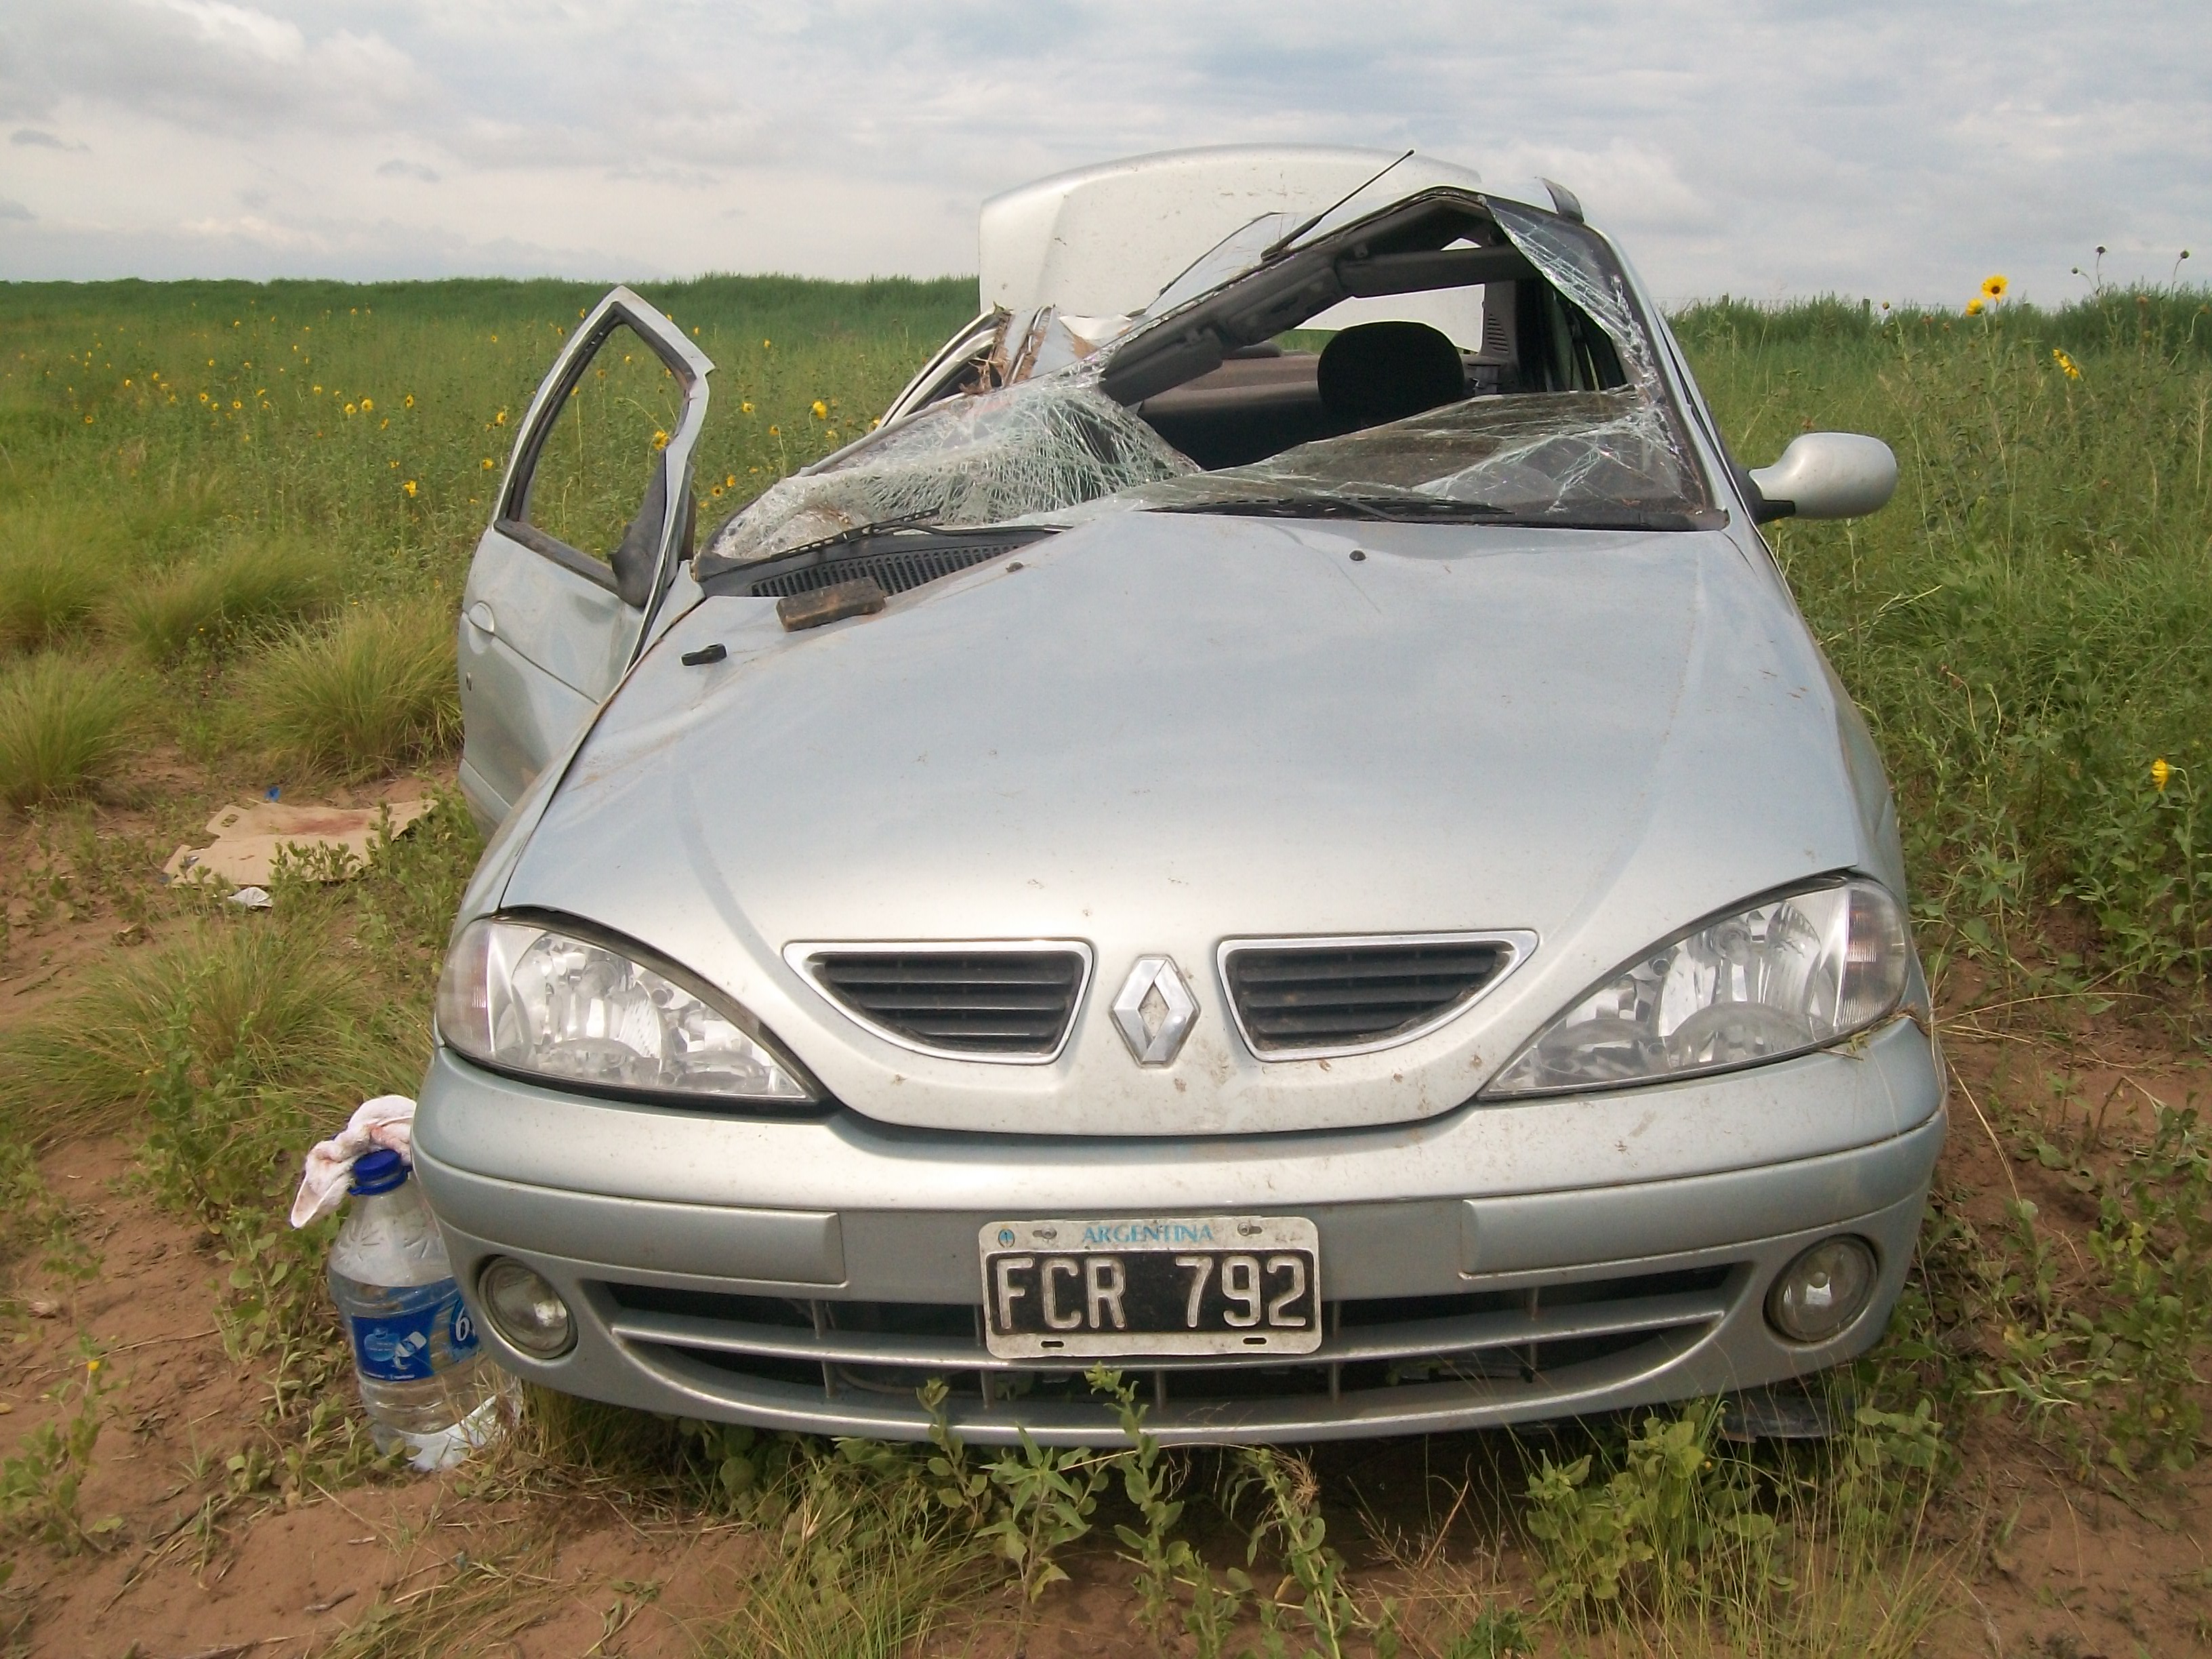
(1777, 978)
(525, 996)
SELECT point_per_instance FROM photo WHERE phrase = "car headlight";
(1780, 977)
(525, 996)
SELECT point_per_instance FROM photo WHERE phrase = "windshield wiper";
(1441, 510)
(1390, 510)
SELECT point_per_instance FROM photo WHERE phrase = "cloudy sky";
(1760, 147)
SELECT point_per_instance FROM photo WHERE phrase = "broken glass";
(1597, 457)
(1048, 444)
(1036, 446)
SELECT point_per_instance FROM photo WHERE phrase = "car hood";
(1160, 731)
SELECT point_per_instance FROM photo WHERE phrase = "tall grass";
(50, 586)
(372, 692)
(224, 599)
(65, 724)
(271, 1004)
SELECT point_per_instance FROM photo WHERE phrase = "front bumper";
(1500, 1264)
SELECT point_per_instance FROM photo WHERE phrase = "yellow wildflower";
(2066, 365)
(729, 482)
(368, 403)
(1993, 288)
(235, 403)
(764, 345)
(2161, 774)
(776, 432)
(746, 407)
(407, 402)
(715, 491)
(1974, 307)
(821, 410)
(486, 463)
(410, 488)
(500, 419)
(659, 439)
(348, 409)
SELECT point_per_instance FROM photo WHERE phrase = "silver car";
(1274, 826)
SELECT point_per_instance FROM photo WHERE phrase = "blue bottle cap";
(378, 1171)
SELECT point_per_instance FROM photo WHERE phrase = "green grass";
(50, 587)
(65, 724)
(221, 600)
(371, 693)
(267, 1003)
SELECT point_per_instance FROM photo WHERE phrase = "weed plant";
(257, 999)
(221, 600)
(65, 724)
(40, 1486)
(49, 589)
(372, 693)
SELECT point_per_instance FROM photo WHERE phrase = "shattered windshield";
(1488, 363)
(1600, 459)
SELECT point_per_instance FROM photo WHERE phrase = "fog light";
(525, 1310)
(1822, 1290)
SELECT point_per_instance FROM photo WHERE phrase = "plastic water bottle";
(425, 1379)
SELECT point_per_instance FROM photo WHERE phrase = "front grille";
(894, 570)
(1398, 1358)
(1300, 998)
(972, 1002)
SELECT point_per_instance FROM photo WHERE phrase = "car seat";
(1377, 372)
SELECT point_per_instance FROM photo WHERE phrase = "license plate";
(1151, 1284)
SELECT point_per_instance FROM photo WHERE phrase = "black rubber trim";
(898, 560)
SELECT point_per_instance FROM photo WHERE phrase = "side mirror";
(1827, 475)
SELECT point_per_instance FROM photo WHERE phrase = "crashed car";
(1273, 828)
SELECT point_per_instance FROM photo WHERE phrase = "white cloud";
(1771, 146)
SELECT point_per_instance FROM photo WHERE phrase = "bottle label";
(426, 1329)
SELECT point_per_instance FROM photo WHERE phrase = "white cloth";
(388, 1122)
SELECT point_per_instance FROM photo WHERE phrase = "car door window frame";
(617, 313)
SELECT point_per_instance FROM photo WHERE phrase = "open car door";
(594, 517)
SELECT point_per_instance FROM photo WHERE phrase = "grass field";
(233, 522)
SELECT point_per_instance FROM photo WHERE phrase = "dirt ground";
(2036, 1562)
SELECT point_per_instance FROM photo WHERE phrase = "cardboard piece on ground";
(248, 838)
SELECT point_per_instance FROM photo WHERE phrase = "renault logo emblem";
(1154, 1011)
